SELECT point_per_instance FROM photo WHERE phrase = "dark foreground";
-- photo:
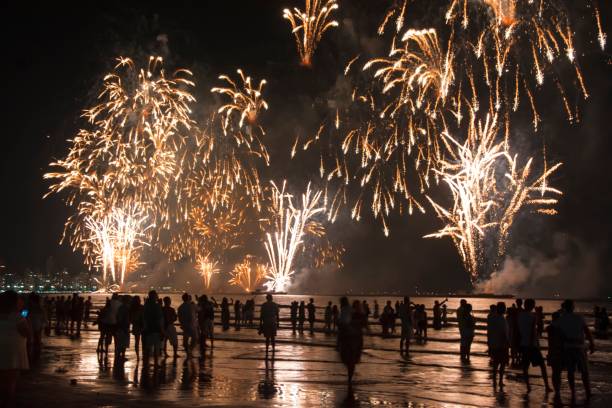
(305, 372)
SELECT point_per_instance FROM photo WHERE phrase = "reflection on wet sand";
(305, 370)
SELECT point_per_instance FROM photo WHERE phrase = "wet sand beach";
(306, 371)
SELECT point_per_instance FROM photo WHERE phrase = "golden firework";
(519, 46)
(206, 268)
(248, 274)
(246, 100)
(288, 227)
(116, 242)
(489, 188)
(128, 155)
(308, 26)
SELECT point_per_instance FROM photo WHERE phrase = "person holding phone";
(14, 333)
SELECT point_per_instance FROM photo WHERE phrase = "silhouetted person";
(406, 318)
(87, 311)
(137, 319)
(74, 313)
(366, 314)
(350, 335)
(376, 310)
(420, 316)
(78, 315)
(153, 329)
(48, 306)
(293, 314)
(237, 313)
(100, 321)
(515, 336)
(328, 317)
(185, 317)
(249, 315)
(530, 347)
(122, 331)
(491, 315)
(301, 316)
(498, 340)
(206, 315)
(268, 322)
(539, 312)
(444, 316)
(225, 314)
(554, 357)
(466, 331)
(311, 315)
(68, 313)
(335, 315)
(437, 314)
(393, 316)
(59, 315)
(575, 330)
(385, 318)
(169, 329)
(108, 323)
(460, 310)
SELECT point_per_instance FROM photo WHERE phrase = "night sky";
(54, 59)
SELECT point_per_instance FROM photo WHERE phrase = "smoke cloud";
(572, 269)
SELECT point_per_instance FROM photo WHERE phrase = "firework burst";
(489, 188)
(248, 274)
(206, 268)
(246, 100)
(518, 45)
(129, 153)
(289, 225)
(308, 26)
(116, 241)
(387, 139)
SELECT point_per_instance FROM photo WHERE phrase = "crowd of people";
(513, 333)
(153, 324)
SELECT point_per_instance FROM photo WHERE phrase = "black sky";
(54, 58)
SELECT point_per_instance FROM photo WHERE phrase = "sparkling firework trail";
(420, 69)
(117, 240)
(601, 35)
(504, 11)
(129, 153)
(289, 226)
(206, 268)
(248, 274)
(221, 191)
(246, 100)
(389, 131)
(520, 44)
(308, 26)
(485, 204)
